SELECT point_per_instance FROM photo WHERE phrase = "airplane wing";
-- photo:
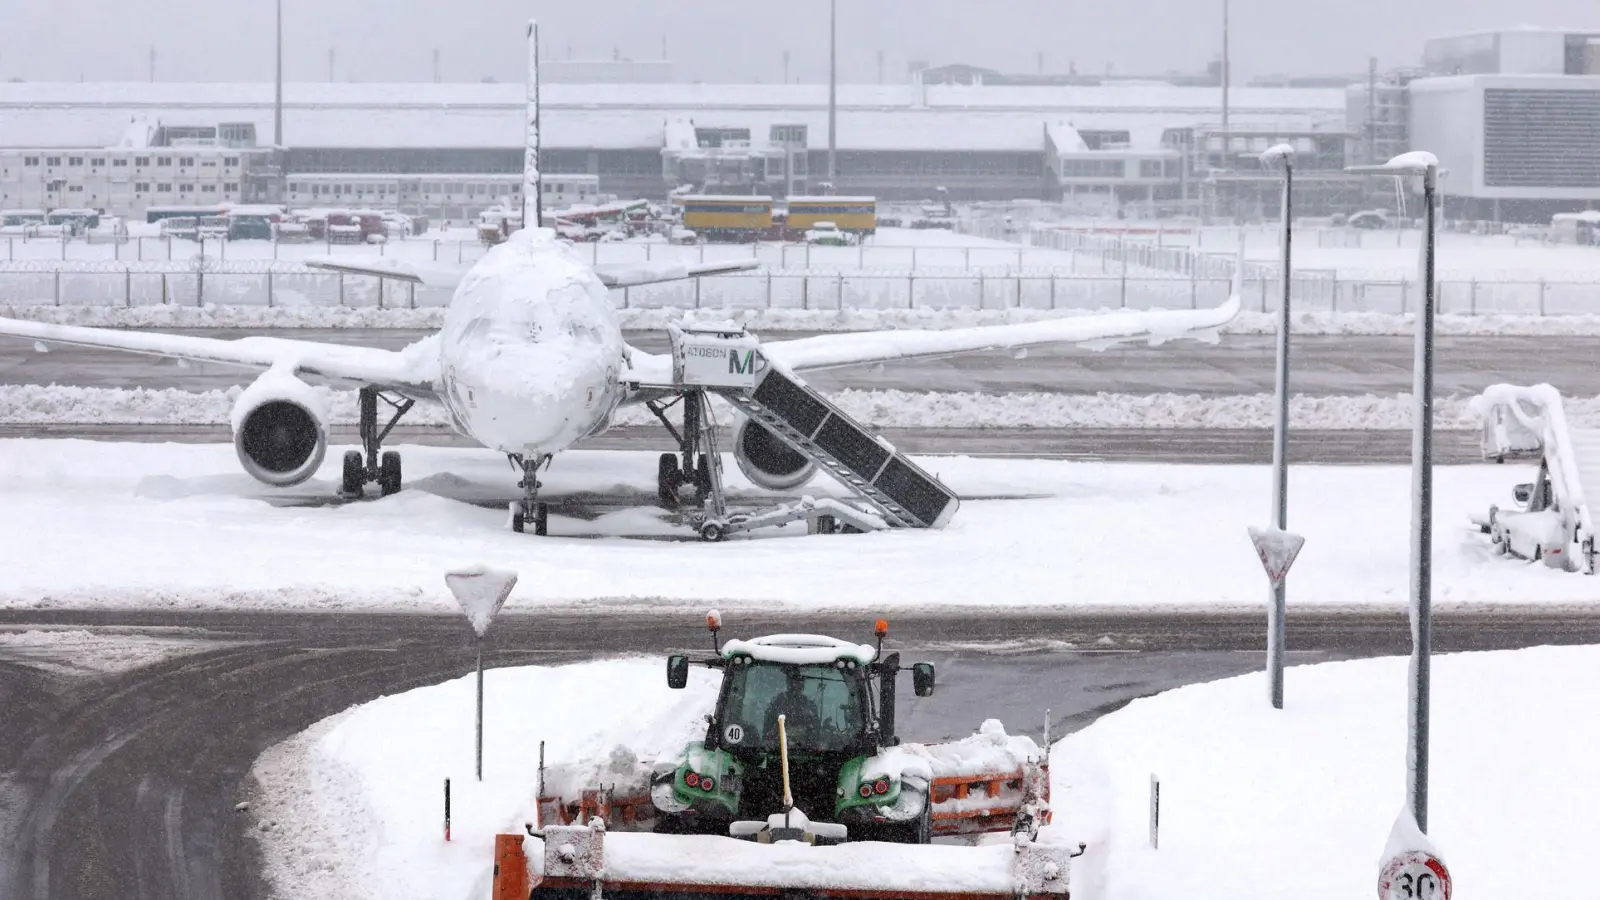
(617, 275)
(412, 372)
(434, 275)
(1095, 331)
(613, 275)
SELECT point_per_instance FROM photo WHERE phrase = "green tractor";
(803, 723)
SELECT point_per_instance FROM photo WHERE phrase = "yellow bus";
(718, 217)
(857, 215)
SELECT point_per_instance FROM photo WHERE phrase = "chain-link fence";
(264, 283)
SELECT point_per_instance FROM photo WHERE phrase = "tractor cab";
(836, 704)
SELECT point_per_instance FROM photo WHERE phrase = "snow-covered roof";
(799, 650)
(615, 116)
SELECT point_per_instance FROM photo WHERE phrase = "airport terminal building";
(449, 150)
(1514, 117)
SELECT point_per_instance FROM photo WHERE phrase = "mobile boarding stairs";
(1552, 522)
(891, 491)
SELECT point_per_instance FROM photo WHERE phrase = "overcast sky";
(732, 40)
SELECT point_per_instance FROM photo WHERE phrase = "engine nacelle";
(280, 429)
(767, 461)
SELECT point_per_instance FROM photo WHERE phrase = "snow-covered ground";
(339, 813)
(77, 651)
(1297, 803)
(1313, 788)
(182, 526)
(773, 322)
(54, 404)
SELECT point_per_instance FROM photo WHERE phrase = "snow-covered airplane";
(531, 360)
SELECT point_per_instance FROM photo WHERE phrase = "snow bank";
(354, 807)
(34, 404)
(180, 526)
(772, 321)
(80, 651)
(1315, 787)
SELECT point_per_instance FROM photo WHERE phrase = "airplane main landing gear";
(530, 509)
(691, 465)
(371, 463)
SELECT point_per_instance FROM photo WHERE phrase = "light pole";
(1280, 433)
(833, 87)
(1425, 164)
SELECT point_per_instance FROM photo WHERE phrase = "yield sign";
(481, 591)
(1277, 549)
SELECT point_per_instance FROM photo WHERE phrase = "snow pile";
(100, 652)
(181, 527)
(1315, 787)
(989, 752)
(33, 404)
(354, 807)
(771, 322)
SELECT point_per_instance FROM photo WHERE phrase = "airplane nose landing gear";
(530, 508)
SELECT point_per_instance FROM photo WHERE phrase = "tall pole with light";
(277, 111)
(833, 87)
(1425, 165)
(1280, 435)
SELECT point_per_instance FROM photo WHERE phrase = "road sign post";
(1411, 867)
(1277, 549)
(480, 591)
(1425, 165)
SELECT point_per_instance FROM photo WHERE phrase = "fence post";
(1472, 298)
(1541, 296)
(1124, 285)
(840, 291)
(458, 251)
(269, 282)
(805, 291)
(435, 249)
(1052, 290)
(411, 294)
(1405, 288)
(165, 297)
(982, 292)
(341, 288)
(200, 285)
(1194, 292)
(769, 289)
(1263, 283)
(697, 292)
(911, 291)
(11, 249)
(380, 293)
(626, 296)
(58, 288)
(1018, 303)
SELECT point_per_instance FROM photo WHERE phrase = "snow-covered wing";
(1094, 331)
(444, 277)
(412, 371)
(617, 275)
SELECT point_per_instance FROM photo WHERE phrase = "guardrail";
(290, 284)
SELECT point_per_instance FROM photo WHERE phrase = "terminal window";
(1541, 138)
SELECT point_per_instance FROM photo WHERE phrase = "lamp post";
(833, 86)
(1426, 165)
(1280, 433)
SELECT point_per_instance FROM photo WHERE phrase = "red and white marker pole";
(447, 810)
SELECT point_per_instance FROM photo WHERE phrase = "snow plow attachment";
(584, 862)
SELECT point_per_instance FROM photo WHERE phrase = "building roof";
(635, 116)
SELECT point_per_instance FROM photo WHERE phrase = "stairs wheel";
(712, 533)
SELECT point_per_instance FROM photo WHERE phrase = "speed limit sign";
(1414, 875)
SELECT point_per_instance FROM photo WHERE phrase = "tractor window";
(821, 704)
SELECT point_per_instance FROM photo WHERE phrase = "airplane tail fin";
(531, 194)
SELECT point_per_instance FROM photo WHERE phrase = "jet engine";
(766, 460)
(280, 429)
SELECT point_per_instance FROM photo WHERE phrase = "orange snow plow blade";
(585, 862)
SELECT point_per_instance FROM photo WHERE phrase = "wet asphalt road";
(1240, 364)
(124, 785)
